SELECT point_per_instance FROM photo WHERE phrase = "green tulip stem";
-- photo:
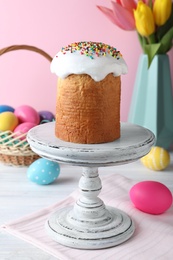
(151, 38)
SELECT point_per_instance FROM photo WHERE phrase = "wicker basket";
(14, 148)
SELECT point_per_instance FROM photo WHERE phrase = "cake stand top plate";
(134, 143)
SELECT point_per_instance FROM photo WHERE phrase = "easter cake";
(89, 90)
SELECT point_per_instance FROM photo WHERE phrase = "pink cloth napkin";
(153, 237)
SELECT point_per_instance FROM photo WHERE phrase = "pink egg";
(23, 128)
(151, 197)
(27, 113)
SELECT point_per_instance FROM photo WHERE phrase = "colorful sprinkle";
(91, 49)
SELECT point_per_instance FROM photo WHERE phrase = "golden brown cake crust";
(87, 111)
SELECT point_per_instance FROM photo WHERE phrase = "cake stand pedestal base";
(90, 224)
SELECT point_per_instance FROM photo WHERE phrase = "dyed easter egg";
(27, 113)
(151, 197)
(5, 108)
(46, 116)
(43, 171)
(157, 159)
(23, 128)
(8, 121)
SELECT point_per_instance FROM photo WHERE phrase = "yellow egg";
(157, 159)
(8, 121)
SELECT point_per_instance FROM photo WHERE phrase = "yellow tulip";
(144, 19)
(162, 11)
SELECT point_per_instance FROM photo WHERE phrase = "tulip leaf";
(151, 50)
(166, 42)
(142, 40)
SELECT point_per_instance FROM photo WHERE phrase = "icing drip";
(92, 58)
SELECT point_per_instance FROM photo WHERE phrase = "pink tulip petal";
(129, 4)
(118, 1)
(124, 16)
(110, 15)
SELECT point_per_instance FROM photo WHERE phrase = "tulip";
(144, 19)
(162, 11)
(121, 13)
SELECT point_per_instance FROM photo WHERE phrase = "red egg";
(27, 113)
(151, 197)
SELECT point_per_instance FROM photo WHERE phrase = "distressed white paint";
(89, 224)
(20, 197)
(134, 143)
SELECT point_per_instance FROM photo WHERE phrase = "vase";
(152, 100)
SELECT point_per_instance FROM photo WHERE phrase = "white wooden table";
(19, 197)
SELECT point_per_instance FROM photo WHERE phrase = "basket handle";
(26, 47)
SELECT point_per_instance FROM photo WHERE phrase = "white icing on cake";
(97, 64)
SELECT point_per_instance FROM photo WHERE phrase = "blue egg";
(43, 171)
(5, 108)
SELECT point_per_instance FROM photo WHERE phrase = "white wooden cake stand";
(89, 224)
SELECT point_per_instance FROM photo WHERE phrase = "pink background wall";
(25, 77)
